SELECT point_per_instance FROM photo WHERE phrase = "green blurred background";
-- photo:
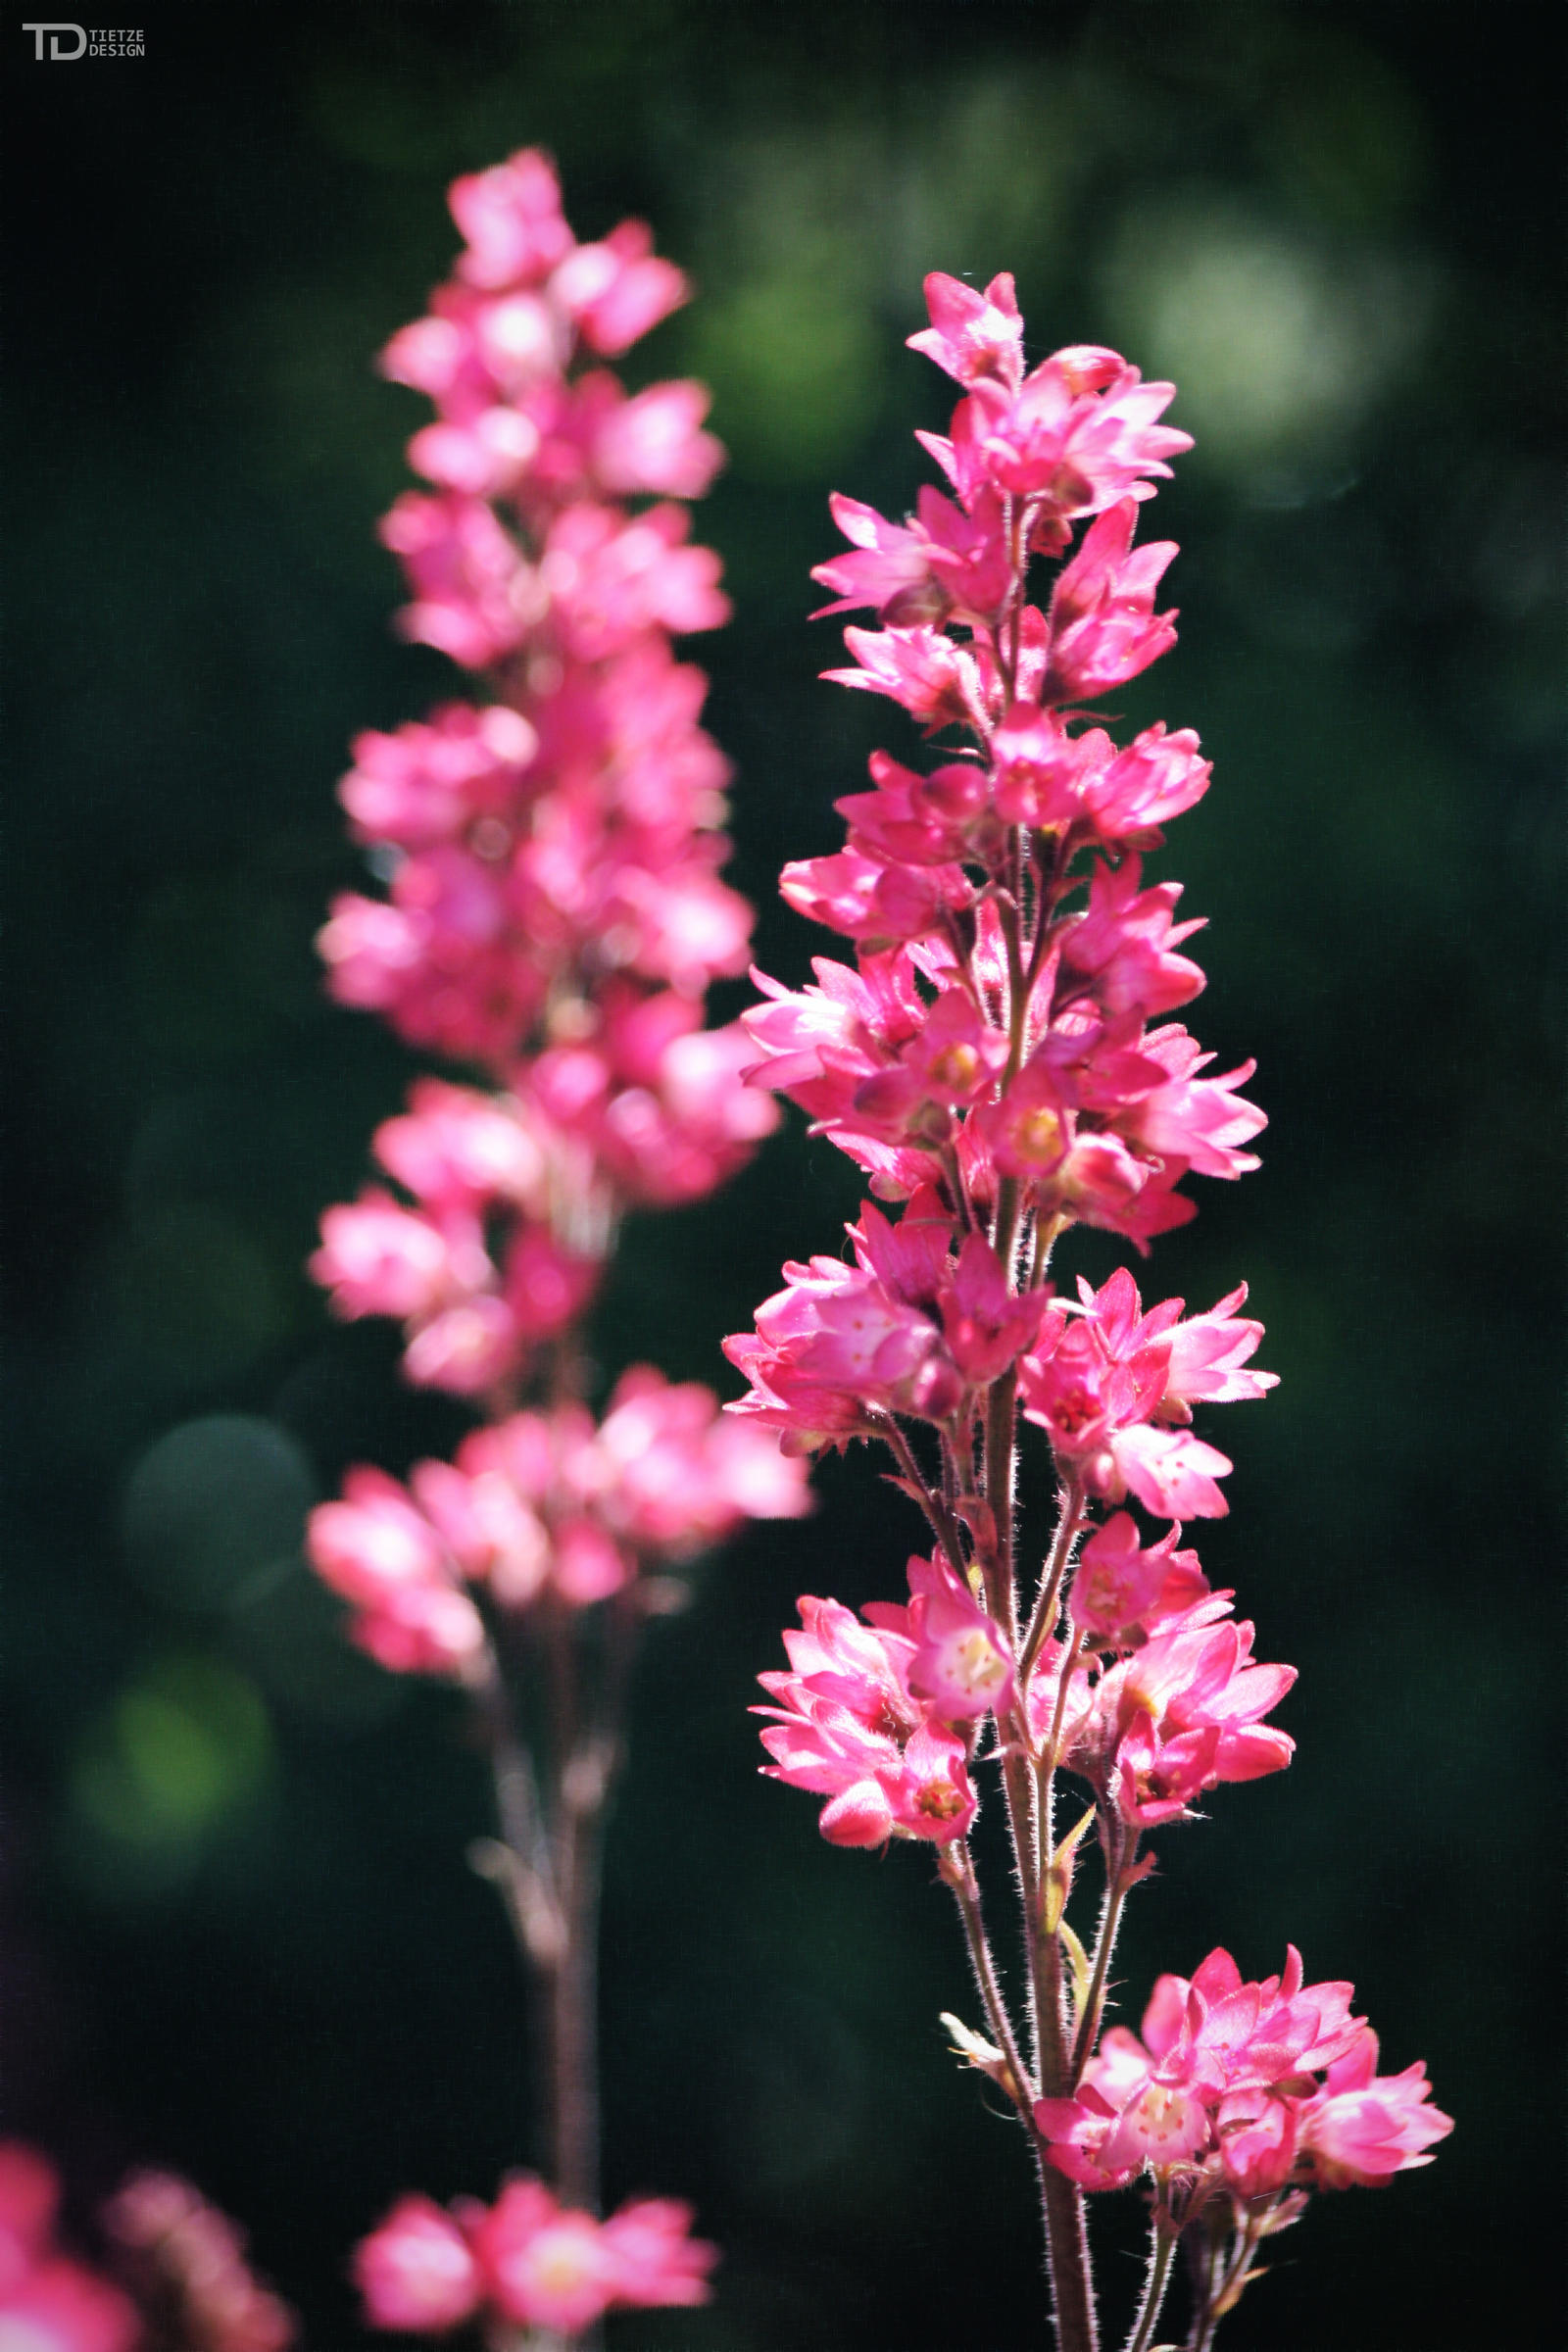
(239, 1930)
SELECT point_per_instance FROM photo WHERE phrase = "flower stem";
(1161, 2250)
(1117, 1890)
(967, 1893)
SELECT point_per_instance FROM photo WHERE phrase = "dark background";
(239, 1935)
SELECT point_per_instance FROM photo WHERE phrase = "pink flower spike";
(417, 2272)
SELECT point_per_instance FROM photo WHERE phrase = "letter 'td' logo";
(57, 53)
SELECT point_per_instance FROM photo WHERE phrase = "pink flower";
(920, 668)
(1104, 626)
(1123, 1595)
(473, 594)
(1198, 1120)
(1101, 1381)
(616, 290)
(1181, 1715)
(961, 1662)
(1080, 434)
(1158, 776)
(543, 2265)
(655, 2260)
(427, 783)
(417, 2272)
(819, 1043)
(986, 1327)
(874, 903)
(975, 337)
(528, 2261)
(378, 1258)
(29, 2199)
(379, 1553)
(840, 1329)
(1217, 2082)
(1123, 944)
(511, 218)
(651, 444)
(62, 2307)
(923, 820)
(851, 1730)
(49, 2303)
(945, 566)
(1362, 2127)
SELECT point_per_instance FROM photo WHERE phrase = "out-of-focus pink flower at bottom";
(527, 2260)
(543, 2264)
(47, 2302)
(417, 2273)
(60, 2307)
(657, 2261)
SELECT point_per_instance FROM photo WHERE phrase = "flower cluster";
(48, 2299)
(990, 1031)
(553, 909)
(188, 2264)
(1252, 2088)
(527, 2260)
(543, 1507)
(1001, 1058)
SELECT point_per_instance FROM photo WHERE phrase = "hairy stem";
(961, 1877)
(1161, 2250)
(1118, 1884)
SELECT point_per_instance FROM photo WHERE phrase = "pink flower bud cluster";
(188, 2261)
(543, 1508)
(553, 909)
(527, 2261)
(1251, 2089)
(49, 2302)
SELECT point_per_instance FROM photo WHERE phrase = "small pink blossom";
(417, 2272)
(974, 336)
(1123, 944)
(543, 2266)
(851, 1730)
(48, 2302)
(655, 2260)
(1122, 1594)
(1104, 626)
(1361, 2128)
(511, 218)
(1080, 433)
(961, 1662)
(920, 668)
